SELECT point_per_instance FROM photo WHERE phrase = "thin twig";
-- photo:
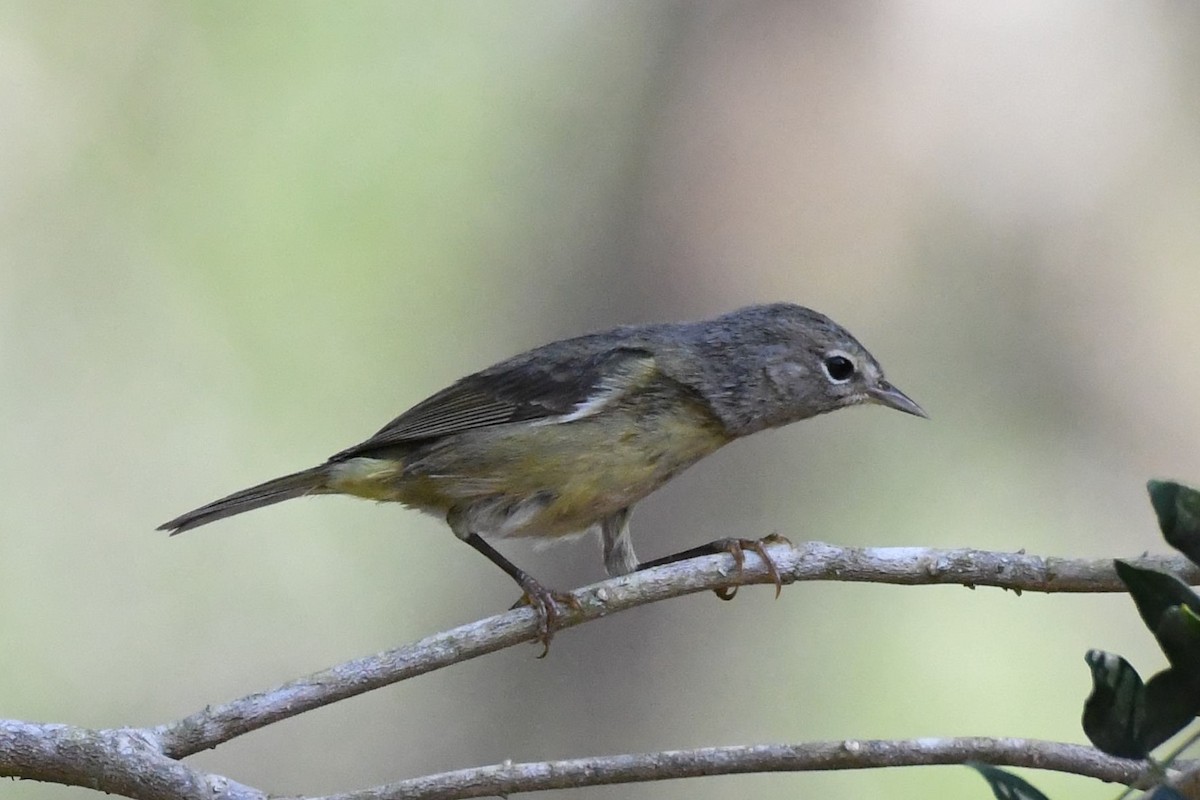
(505, 779)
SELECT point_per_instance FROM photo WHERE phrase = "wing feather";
(536, 386)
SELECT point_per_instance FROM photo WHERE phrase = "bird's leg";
(543, 601)
(619, 558)
(736, 548)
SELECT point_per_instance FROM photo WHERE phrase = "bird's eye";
(839, 368)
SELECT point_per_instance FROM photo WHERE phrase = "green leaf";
(1163, 793)
(1126, 718)
(1178, 510)
(1005, 785)
(1154, 592)
(1111, 711)
(1161, 601)
(1179, 639)
(1191, 619)
(1171, 700)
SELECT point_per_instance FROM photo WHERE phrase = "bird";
(566, 438)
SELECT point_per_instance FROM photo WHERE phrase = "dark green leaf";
(1124, 717)
(1192, 619)
(1178, 510)
(1110, 714)
(1163, 793)
(1171, 700)
(1179, 639)
(1154, 592)
(1005, 785)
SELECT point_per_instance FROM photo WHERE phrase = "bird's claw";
(737, 548)
(545, 605)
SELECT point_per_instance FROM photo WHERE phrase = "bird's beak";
(885, 394)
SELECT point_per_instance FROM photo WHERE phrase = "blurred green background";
(235, 238)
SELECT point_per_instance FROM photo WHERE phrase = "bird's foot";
(545, 604)
(737, 548)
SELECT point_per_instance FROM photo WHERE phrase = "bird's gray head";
(775, 364)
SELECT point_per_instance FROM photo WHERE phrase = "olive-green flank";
(566, 438)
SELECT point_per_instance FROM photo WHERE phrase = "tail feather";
(265, 494)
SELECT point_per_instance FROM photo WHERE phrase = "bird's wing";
(556, 388)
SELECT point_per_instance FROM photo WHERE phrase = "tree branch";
(505, 779)
(127, 762)
(810, 561)
(143, 763)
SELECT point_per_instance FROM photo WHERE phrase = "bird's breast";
(542, 480)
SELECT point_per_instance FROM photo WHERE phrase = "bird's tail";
(295, 485)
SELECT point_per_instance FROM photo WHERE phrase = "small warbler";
(567, 437)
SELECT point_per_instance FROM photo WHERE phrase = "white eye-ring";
(839, 367)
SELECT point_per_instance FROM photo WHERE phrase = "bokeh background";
(235, 238)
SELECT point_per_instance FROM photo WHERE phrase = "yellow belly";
(545, 479)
